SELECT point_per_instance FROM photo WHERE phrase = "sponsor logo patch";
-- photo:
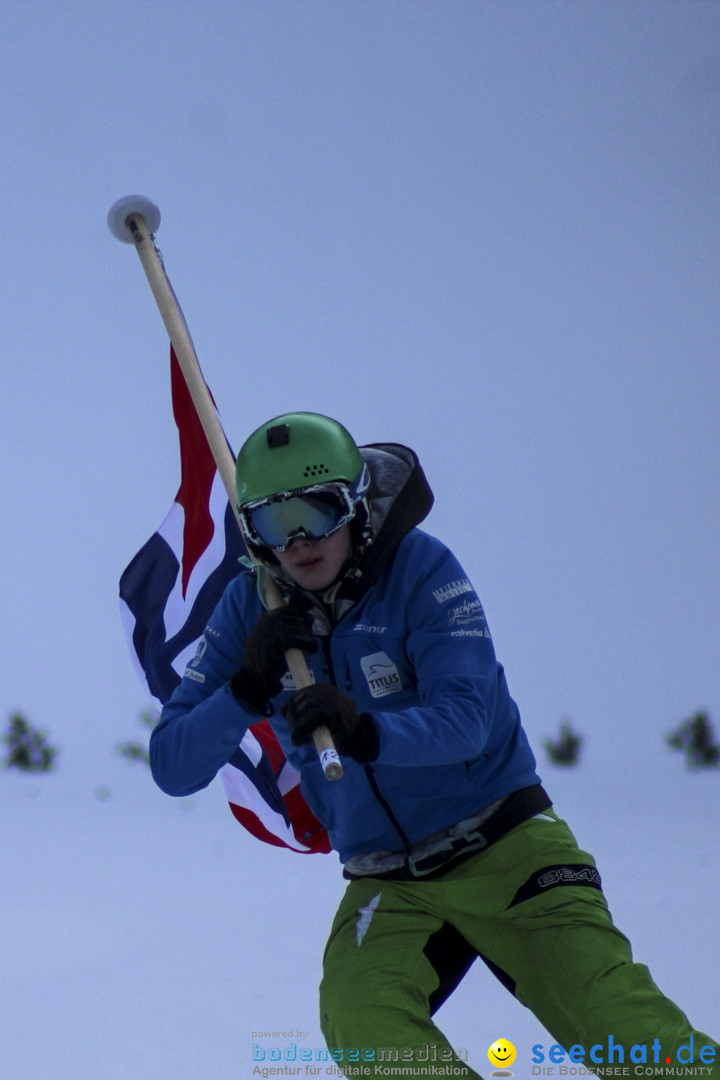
(452, 589)
(190, 672)
(470, 611)
(199, 652)
(382, 676)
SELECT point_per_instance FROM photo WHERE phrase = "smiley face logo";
(502, 1053)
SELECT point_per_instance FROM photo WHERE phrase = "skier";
(440, 820)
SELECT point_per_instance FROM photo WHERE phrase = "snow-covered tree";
(28, 748)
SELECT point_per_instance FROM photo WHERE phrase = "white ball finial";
(132, 204)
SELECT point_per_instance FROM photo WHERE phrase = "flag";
(167, 594)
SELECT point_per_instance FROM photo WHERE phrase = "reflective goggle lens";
(314, 515)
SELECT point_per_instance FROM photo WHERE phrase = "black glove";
(355, 734)
(263, 663)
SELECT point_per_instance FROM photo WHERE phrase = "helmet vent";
(315, 470)
(278, 436)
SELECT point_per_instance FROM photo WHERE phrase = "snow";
(146, 938)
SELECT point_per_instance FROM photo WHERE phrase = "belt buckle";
(422, 867)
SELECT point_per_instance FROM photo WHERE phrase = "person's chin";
(312, 576)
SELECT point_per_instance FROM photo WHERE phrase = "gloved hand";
(355, 734)
(263, 663)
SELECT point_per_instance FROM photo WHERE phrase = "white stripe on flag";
(178, 607)
(241, 791)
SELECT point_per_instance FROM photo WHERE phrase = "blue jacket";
(414, 650)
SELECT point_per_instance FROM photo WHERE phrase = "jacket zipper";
(372, 780)
(369, 771)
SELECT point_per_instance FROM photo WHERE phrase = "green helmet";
(292, 452)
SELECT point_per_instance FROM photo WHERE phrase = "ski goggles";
(314, 513)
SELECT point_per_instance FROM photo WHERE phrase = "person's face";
(314, 564)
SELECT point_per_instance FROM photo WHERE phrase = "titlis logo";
(382, 676)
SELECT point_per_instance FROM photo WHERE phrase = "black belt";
(518, 807)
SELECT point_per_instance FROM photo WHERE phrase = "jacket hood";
(398, 499)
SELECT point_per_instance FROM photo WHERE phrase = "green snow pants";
(531, 905)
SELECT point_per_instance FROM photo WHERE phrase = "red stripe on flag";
(197, 471)
(305, 826)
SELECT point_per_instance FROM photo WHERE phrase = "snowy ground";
(145, 938)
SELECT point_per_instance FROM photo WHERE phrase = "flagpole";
(128, 221)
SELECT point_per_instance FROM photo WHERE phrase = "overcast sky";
(486, 229)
